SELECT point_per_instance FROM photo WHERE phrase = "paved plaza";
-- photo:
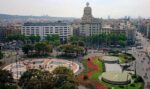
(19, 68)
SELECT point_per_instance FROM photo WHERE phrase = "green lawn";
(123, 57)
(101, 65)
(95, 76)
(131, 86)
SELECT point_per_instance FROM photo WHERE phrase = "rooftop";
(59, 23)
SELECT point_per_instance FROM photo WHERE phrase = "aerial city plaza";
(44, 52)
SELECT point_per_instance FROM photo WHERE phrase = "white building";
(64, 30)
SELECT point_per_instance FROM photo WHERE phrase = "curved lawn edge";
(93, 71)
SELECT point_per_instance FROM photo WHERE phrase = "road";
(142, 61)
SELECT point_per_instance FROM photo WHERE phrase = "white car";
(139, 47)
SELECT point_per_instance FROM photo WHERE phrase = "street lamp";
(127, 81)
(135, 68)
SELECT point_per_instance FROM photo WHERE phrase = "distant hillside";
(6, 17)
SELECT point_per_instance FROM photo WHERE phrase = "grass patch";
(138, 85)
(123, 57)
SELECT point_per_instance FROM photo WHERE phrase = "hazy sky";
(74, 8)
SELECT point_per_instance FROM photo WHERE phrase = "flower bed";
(93, 71)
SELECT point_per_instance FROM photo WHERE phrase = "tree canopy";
(36, 79)
(53, 39)
(100, 39)
(6, 80)
(68, 48)
(1, 55)
(60, 78)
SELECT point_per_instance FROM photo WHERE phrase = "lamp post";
(135, 68)
(127, 81)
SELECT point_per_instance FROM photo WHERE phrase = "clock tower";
(87, 16)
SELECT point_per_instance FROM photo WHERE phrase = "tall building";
(89, 25)
(148, 30)
(2, 34)
(64, 30)
(13, 29)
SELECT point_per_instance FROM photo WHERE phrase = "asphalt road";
(142, 61)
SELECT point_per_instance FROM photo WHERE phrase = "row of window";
(27, 27)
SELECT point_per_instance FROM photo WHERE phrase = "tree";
(34, 38)
(43, 48)
(16, 37)
(5, 77)
(1, 64)
(81, 43)
(65, 78)
(1, 55)
(68, 49)
(37, 79)
(63, 71)
(6, 80)
(60, 78)
(53, 39)
(27, 48)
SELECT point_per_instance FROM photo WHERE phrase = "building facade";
(13, 29)
(148, 30)
(3, 31)
(89, 25)
(64, 30)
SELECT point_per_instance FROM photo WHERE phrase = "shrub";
(134, 76)
(85, 77)
(132, 85)
(121, 86)
(138, 79)
(88, 59)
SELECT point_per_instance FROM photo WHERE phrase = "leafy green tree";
(67, 49)
(6, 80)
(27, 48)
(65, 78)
(74, 43)
(37, 79)
(1, 55)
(60, 78)
(81, 43)
(103, 38)
(43, 48)
(1, 64)
(16, 37)
(5, 77)
(53, 39)
(34, 38)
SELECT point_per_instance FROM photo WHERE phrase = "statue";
(87, 4)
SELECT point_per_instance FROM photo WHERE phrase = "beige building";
(89, 25)
(13, 29)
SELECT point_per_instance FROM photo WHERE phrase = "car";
(129, 48)
(139, 47)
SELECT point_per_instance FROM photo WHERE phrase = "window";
(56, 30)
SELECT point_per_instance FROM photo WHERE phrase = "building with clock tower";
(89, 25)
